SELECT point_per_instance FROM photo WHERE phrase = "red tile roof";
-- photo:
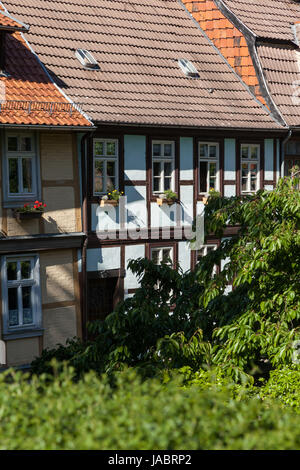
(137, 44)
(8, 23)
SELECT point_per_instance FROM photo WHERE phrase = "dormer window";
(86, 59)
(188, 68)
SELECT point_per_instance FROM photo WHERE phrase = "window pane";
(203, 150)
(213, 151)
(155, 256)
(203, 177)
(167, 256)
(156, 150)
(25, 269)
(168, 150)
(99, 148)
(12, 144)
(99, 185)
(244, 151)
(212, 169)
(25, 144)
(99, 168)
(156, 169)
(254, 152)
(111, 148)
(167, 183)
(111, 168)
(27, 175)
(13, 314)
(111, 183)
(156, 184)
(201, 253)
(12, 271)
(27, 307)
(13, 176)
(168, 169)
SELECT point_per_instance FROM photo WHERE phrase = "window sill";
(19, 334)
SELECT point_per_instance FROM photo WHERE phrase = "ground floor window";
(203, 251)
(21, 293)
(162, 255)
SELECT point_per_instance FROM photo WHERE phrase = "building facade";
(165, 107)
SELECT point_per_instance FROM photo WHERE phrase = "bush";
(57, 413)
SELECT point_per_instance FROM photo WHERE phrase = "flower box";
(28, 215)
(109, 202)
(160, 201)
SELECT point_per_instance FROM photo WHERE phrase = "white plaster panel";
(105, 218)
(163, 216)
(229, 190)
(132, 252)
(136, 206)
(184, 256)
(269, 187)
(229, 159)
(186, 158)
(227, 290)
(278, 160)
(135, 157)
(269, 159)
(186, 198)
(101, 259)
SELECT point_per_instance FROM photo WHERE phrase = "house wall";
(106, 252)
(227, 38)
(58, 268)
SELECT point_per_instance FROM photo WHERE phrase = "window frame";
(15, 199)
(248, 161)
(214, 247)
(22, 330)
(160, 249)
(162, 160)
(209, 160)
(106, 158)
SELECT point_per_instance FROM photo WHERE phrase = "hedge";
(57, 413)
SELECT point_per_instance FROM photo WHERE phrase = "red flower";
(36, 202)
(25, 205)
(45, 205)
(35, 207)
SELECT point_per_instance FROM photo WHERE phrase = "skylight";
(188, 68)
(86, 59)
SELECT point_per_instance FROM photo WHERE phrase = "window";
(292, 157)
(86, 59)
(163, 156)
(203, 251)
(162, 255)
(188, 68)
(105, 165)
(21, 163)
(250, 156)
(208, 167)
(21, 293)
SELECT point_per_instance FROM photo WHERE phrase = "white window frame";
(160, 250)
(209, 160)
(162, 159)
(206, 248)
(14, 199)
(34, 282)
(105, 159)
(250, 161)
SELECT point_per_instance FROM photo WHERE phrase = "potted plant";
(212, 193)
(29, 211)
(168, 197)
(111, 198)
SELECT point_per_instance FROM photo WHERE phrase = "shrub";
(58, 413)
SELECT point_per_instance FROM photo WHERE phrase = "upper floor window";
(21, 167)
(250, 161)
(208, 167)
(163, 162)
(21, 293)
(162, 255)
(203, 251)
(106, 157)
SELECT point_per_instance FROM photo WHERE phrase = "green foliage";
(246, 333)
(57, 413)
(284, 386)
